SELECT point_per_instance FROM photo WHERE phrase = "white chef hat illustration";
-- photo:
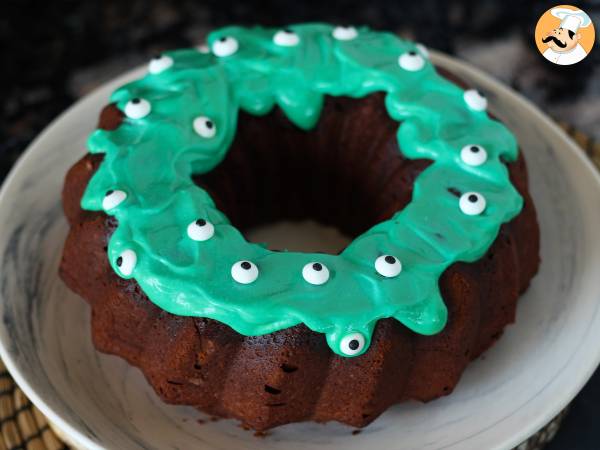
(571, 19)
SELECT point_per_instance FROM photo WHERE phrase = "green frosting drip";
(152, 160)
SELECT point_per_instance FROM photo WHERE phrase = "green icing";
(153, 158)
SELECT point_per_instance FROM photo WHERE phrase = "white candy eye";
(315, 273)
(126, 263)
(244, 272)
(345, 33)
(137, 108)
(159, 63)
(203, 49)
(411, 61)
(475, 100)
(200, 230)
(389, 266)
(473, 155)
(205, 127)
(472, 203)
(423, 50)
(112, 199)
(225, 46)
(286, 38)
(352, 344)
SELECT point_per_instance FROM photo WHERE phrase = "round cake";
(347, 126)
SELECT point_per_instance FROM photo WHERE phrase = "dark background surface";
(55, 52)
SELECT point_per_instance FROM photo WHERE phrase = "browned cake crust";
(348, 172)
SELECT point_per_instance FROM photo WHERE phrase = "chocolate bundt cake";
(349, 127)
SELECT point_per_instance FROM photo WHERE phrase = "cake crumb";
(355, 432)
(214, 418)
(201, 421)
(261, 434)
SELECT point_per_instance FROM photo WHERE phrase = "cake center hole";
(315, 190)
(299, 236)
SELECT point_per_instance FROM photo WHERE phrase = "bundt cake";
(347, 126)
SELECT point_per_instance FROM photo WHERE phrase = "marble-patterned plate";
(99, 401)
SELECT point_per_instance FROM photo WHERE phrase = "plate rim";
(73, 433)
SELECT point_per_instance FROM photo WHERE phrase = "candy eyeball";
(475, 100)
(286, 38)
(126, 262)
(473, 155)
(112, 199)
(472, 203)
(205, 127)
(411, 61)
(388, 266)
(137, 108)
(345, 33)
(315, 273)
(200, 230)
(352, 344)
(244, 272)
(159, 64)
(225, 46)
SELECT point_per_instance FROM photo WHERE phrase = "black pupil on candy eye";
(209, 124)
(246, 265)
(317, 266)
(412, 53)
(135, 101)
(119, 261)
(390, 259)
(223, 39)
(157, 56)
(475, 149)
(288, 31)
(480, 94)
(353, 344)
(200, 222)
(472, 198)
(109, 192)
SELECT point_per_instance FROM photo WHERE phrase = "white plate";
(100, 401)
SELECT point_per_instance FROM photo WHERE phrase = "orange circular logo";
(565, 35)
